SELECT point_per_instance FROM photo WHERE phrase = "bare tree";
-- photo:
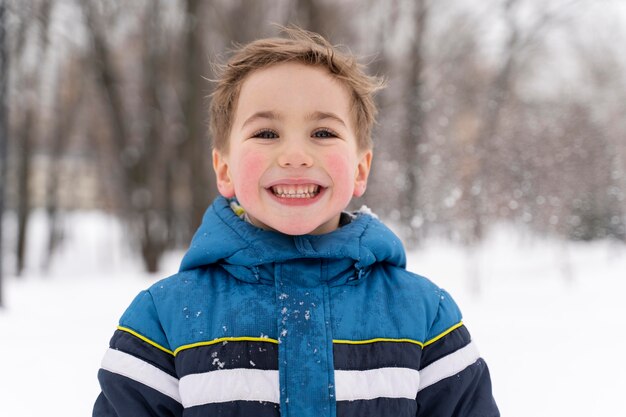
(4, 76)
(414, 133)
(137, 147)
(68, 96)
(156, 165)
(603, 89)
(521, 41)
(25, 149)
(27, 130)
(195, 148)
(377, 34)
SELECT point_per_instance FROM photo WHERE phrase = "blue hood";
(249, 253)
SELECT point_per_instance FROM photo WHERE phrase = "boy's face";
(293, 161)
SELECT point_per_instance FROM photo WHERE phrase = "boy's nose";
(295, 156)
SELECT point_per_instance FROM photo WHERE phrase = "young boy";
(285, 304)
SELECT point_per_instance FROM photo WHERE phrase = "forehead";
(292, 89)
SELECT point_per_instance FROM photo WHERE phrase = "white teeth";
(296, 191)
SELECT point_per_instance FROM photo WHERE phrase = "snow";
(548, 328)
(546, 316)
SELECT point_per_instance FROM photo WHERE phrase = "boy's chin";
(300, 231)
(299, 227)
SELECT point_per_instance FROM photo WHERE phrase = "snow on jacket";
(258, 323)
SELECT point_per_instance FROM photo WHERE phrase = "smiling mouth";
(295, 191)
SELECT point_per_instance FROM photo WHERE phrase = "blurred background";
(501, 141)
(497, 110)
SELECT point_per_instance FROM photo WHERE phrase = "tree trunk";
(196, 150)
(68, 96)
(414, 130)
(153, 217)
(4, 76)
(142, 180)
(27, 136)
(23, 189)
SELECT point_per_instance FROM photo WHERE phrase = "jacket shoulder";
(141, 319)
(442, 311)
(391, 302)
(149, 314)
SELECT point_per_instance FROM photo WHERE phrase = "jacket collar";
(249, 253)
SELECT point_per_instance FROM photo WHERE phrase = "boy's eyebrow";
(320, 115)
(314, 116)
(261, 115)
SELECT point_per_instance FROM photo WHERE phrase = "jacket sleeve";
(454, 379)
(137, 376)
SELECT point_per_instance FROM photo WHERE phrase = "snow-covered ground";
(547, 316)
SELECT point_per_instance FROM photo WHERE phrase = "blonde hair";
(303, 47)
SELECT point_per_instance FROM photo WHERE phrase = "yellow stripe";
(450, 330)
(145, 339)
(226, 339)
(268, 340)
(379, 339)
(416, 342)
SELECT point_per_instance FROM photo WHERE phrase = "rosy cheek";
(252, 162)
(250, 169)
(338, 165)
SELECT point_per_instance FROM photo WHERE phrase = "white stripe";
(376, 383)
(134, 368)
(229, 385)
(449, 365)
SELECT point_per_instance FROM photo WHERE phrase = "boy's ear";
(362, 173)
(222, 173)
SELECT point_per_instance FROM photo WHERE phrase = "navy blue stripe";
(451, 342)
(122, 396)
(234, 409)
(467, 393)
(379, 407)
(132, 345)
(227, 355)
(375, 355)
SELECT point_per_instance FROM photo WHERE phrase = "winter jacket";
(261, 324)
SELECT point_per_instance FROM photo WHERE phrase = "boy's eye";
(324, 133)
(265, 134)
